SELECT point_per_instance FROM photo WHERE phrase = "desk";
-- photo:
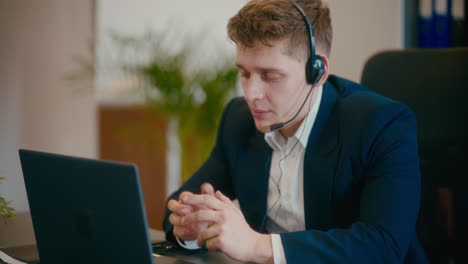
(29, 253)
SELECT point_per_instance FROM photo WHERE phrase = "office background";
(40, 109)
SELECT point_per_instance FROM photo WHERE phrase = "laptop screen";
(84, 210)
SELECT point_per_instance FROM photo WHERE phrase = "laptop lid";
(84, 210)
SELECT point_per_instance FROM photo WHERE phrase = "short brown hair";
(263, 21)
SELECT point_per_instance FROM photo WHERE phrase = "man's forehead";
(266, 62)
(260, 45)
(278, 49)
(258, 55)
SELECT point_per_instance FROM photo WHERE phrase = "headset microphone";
(282, 124)
(314, 66)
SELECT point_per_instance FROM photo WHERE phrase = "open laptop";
(87, 211)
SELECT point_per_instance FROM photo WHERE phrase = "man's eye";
(244, 74)
(271, 76)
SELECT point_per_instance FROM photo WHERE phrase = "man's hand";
(188, 232)
(229, 232)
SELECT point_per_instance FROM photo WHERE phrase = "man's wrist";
(263, 249)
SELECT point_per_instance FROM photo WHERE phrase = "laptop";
(87, 211)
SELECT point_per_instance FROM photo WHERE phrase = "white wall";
(362, 28)
(39, 108)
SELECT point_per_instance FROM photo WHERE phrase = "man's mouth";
(259, 114)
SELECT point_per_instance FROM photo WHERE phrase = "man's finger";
(207, 188)
(179, 208)
(184, 233)
(202, 216)
(183, 194)
(214, 244)
(222, 197)
(212, 231)
(203, 199)
(175, 219)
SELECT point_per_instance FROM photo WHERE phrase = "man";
(324, 170)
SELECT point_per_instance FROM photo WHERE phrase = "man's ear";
(326, 71)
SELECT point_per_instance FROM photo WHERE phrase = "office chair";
(434, 84)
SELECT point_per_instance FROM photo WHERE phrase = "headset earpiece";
(314, 69)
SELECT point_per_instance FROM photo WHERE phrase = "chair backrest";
(434, 84)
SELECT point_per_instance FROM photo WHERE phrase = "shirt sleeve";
(278, 251)
(192, 244)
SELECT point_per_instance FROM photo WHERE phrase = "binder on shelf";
(465, 26)
(442, 23)
(425, 24)
(458, 23)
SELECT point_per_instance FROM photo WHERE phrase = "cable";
(277, 183)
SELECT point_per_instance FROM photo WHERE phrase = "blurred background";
(78, 77)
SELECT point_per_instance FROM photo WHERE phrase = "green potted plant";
(197, 118)
(6, 211)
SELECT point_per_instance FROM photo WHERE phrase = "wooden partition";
(135, 134)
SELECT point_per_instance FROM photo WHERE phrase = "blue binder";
(442, 23)
(426, 36)
(458, 23)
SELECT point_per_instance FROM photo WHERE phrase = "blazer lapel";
(321, 158)
(253, 180)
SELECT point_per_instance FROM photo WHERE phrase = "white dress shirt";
(285, 202)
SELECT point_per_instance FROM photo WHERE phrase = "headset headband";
(310, 30)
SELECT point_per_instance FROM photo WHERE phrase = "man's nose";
(253, 89)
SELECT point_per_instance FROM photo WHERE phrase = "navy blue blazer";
(361, 178)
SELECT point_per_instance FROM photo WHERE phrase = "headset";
(315, 67)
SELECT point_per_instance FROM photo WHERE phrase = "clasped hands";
(215, 221)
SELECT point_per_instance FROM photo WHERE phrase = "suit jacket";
(361, 178)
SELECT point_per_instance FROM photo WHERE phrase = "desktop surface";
(29, 254)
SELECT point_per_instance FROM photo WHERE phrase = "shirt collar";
(277, 141)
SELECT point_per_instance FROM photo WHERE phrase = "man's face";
(274, 85)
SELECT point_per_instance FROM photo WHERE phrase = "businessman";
(324, 170)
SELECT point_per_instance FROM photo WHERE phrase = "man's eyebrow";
(262, 69)
(239, 66)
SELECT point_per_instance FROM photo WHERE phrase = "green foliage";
(176, 91)
(167, 77)
(177, 97)
(216, 91)
(6, 211)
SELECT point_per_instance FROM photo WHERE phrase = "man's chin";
(263, 127)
